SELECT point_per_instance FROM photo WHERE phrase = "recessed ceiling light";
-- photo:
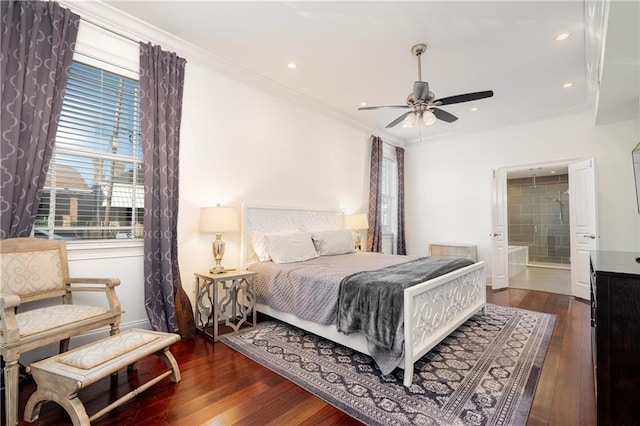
(553, 172)
(567, 85)
(363, 104)
(292, 65)
(562, 36)
(474, 109)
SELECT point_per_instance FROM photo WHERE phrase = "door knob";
(593, 237)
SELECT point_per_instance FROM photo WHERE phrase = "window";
(94, 188)
(388, 192)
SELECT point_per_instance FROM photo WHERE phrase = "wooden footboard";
(435, 308)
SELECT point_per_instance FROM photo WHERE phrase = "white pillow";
(289, 248)
(259, 246)
(337, 241)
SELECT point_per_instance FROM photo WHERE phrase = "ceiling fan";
(422, 102)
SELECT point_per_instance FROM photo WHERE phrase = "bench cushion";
(100, 352)
(42, 319)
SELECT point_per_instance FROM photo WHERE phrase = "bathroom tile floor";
(543, 279)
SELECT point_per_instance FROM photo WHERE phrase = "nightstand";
(225, 302)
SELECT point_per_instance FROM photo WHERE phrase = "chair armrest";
(9, 326)
(9, 301)
(109, 284)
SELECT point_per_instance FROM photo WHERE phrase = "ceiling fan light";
(428, 118)
(409, 121)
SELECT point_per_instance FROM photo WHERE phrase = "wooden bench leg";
(11, 371)
(73, 406)
(171, 364)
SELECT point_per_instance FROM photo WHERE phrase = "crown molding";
(543, 116)
(136, 30)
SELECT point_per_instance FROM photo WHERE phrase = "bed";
(430, 310)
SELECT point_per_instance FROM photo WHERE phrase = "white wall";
(449, 181)
(240, 145)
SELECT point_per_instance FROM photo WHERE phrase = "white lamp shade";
(356, 221)
(428, 118)
(409, 120)
(218, 219)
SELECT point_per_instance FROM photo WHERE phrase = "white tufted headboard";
(279, 219)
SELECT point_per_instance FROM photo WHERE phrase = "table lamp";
(356, 222)
(218, 220)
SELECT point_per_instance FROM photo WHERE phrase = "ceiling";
(352, 52)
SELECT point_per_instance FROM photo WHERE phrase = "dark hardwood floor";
(222, 387)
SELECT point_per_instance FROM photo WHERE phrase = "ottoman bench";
(61, 377)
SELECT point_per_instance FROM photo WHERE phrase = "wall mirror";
(636, 172)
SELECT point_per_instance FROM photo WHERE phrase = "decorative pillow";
(337, 241)
(289, 248)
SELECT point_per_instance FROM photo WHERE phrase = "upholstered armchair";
(36, 270)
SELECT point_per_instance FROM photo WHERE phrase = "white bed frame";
(432, 309)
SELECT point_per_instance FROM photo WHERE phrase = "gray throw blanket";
(372, 302)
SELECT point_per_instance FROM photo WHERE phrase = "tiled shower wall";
(539, 217)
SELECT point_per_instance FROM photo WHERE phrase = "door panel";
(500, 264)
(584, 220)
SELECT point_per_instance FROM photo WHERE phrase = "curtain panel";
(374, 234)
(161, 90)
(38, 40)
(401, 244)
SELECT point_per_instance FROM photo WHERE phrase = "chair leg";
(64, 345)
(115, 329)
(11, 370)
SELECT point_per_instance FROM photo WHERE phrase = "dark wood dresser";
(615, 336)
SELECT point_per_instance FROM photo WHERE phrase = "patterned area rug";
(484, 373)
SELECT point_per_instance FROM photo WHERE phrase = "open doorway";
(538, 228)
(581, 214)
(539, 237)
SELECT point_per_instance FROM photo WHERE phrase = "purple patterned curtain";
(401, 244)
(161, 88)
(38, 39)
(374, 235)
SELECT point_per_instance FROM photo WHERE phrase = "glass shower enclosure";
(538, 213)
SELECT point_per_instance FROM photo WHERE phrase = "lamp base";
(218, 270)
(218, 251)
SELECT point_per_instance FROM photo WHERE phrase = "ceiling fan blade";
(382, 107)
(443, 115)
(464, 98)
(398, 120)
(420, 90)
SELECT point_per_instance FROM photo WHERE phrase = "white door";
(584, 222)
(500, 265)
